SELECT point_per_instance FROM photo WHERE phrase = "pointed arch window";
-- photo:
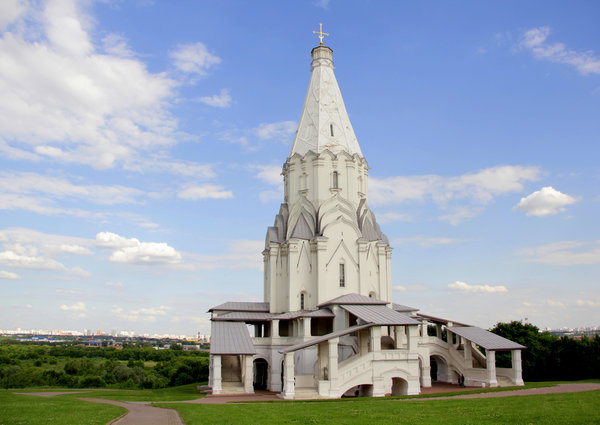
(331, 129)
(302, 302)
(342, 275)
(335, 180)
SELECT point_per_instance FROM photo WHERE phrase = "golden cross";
(321, 33)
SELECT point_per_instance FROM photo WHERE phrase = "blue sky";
(141, 144)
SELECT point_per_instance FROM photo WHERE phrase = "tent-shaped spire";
(324, 123)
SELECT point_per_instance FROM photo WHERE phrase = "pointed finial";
(320, 33)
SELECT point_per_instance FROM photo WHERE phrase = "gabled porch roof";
(486, 339)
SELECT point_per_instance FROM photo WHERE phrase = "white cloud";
(221, 100)
(465, 287)
(64, 99)
(390, 217)
(10, 11)
(8, 275)
(588, 303)
(276, 130)
(115, 44)
(415, 287)
(554, 303)
(463, 195)
(33, 250)
(31, 262)
(114, 284)
(194, 58)
(546, 201)
(113, 241)
(73, 249)
(205, 191)
(535, 40)
(242, 254)
(141, 314)
(39, 193)
(270, 174)
(78, 306)
(135, 252)
(427, 241)
(564, 253)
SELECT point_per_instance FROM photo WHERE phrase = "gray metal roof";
(403, 308)
(485, 339)
(439, 320)
(242, 306)
(244, 316)
(353, 299)
(324, 312)
(230, 338)
(323, 338)
(380, 315)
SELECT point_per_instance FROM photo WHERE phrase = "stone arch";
(399, 386)
(260, 371)
(440, 368)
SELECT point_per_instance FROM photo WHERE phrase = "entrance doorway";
(261, 372)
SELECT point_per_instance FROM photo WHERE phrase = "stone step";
(232, 388)
(503, 381)
(306, 394)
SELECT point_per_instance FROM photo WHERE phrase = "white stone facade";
(327, 326)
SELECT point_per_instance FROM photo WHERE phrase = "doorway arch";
(261, 374)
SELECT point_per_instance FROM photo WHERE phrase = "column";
(216, 374)
(375, 338)
(275, 329)
(398, 337)
(363, 340)
(333, 366)
(490, 363)
(288, 376)
(468, 353)
(426, 372)
(413, 337)
(517, 368)
(379, 389)
(450, 338)
(306, 327)
(438, 331)
(248, 368)
(275, 383)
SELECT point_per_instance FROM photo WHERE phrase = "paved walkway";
(560, 388)
(140, 413)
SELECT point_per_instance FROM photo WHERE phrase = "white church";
(328, 326)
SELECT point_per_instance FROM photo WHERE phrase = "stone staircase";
(232, 388)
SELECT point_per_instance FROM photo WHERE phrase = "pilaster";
(216, 374)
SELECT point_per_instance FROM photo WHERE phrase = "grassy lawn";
(181, 393)
(574, 408)
(32, 410)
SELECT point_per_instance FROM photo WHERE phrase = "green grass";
(184, 392)
(32, 410)
(573, 408)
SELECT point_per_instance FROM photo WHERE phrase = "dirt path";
(140, 413)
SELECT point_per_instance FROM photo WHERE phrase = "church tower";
(325, 241)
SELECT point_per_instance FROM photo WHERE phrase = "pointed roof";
(324, 123)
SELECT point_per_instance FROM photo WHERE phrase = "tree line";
(24, 365)
(549, 357)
